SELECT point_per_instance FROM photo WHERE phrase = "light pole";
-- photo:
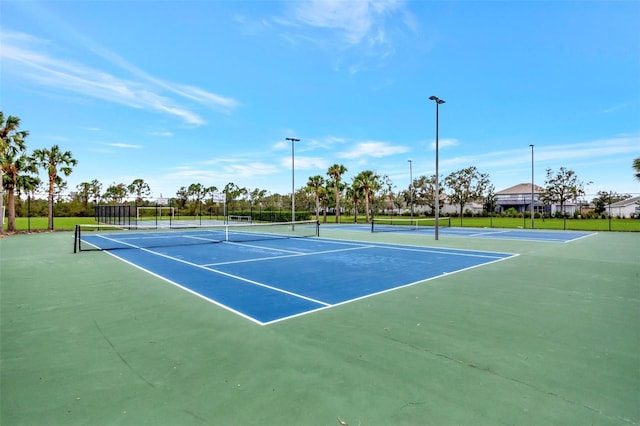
(532, 200)
(438, 101)
(293, 191)
(411, 185)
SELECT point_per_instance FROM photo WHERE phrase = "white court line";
(322, 305)
(290, 293)
(428, 249)
(388, 290)
(454, 253)
(262, 247)
(579, 238)
(187, 289)
(485, 233)
(299, 254)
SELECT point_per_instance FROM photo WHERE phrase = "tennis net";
(399, 225)
(114, 237)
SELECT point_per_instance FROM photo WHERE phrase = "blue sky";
(207, 91)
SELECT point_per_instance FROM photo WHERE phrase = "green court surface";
(550, 337)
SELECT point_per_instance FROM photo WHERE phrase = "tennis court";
(407, 226)
(267, 276)
(550, 336)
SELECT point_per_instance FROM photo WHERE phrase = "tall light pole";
(532, 201)
(293, 190)
(411, 185)
(438, 101)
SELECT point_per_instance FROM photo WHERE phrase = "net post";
(317, 228)
(76, 238)
(372, 220)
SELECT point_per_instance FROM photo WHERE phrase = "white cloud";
(164, 134)
(444, 143)
(596, 149)
(22, 55)
(337, 25)
(281, 145)
(593, 153)
(373, 149)
(324, 143)
(357, 21)
(239, 172)
(304, 163)
(247, 170)
(124, 145)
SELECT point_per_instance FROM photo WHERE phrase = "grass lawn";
(41, 223)
(629, 225)
(572, 224)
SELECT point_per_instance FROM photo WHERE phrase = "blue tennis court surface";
(542, 235)
(272, 280)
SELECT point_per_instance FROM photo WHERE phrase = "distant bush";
(511, 212)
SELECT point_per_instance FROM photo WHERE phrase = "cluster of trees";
(375, 192)
(18, 169)
(367, 191)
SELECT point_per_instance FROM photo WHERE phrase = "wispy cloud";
(596, 149)
(280, 145)
(549, 156)
(373, 149)
(304, 163)
(444, 143)
(357, 21)
(28, 58)
(222, 172)
(323, 143)
(163, 134)
(234, 171)
(339, 24)
(124, 145)
(617, 107)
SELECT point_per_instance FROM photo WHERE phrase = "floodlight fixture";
(438, 102)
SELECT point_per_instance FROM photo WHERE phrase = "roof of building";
(627, 202)
(521, 188)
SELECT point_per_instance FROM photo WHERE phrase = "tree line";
(367, 192)
(18, 169)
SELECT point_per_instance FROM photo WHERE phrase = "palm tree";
(354, 193)
(11, 143)
(335, 172)
(54, 161)
(369, 182)
(14, 169)
(636, 167)
(316, 183)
